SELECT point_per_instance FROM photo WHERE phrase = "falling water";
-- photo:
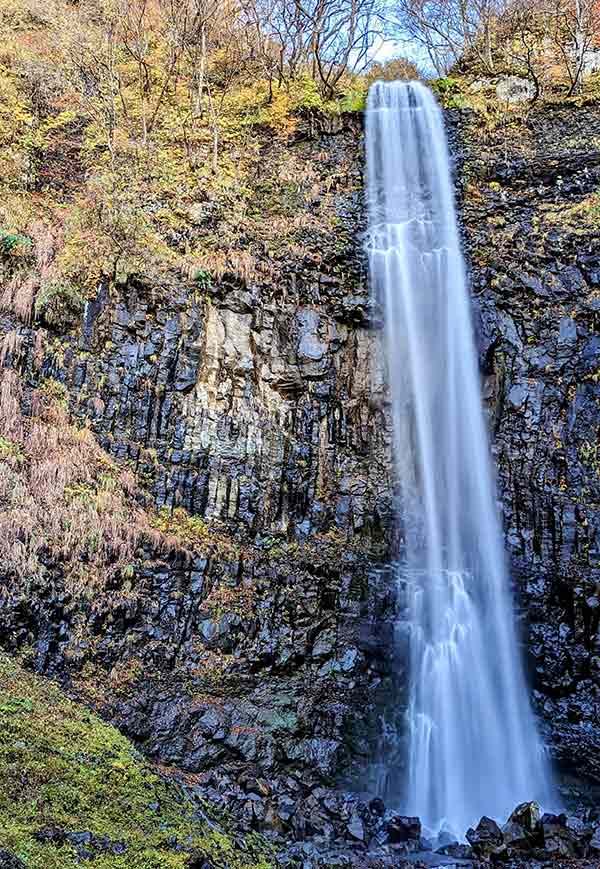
(473, 745)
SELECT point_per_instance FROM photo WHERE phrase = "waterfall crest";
(473, 743)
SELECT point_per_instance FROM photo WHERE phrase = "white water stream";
(473, 743)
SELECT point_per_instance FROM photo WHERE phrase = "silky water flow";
(473, 746)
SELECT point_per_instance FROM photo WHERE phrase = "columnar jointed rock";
(256, 403)
(527, 204)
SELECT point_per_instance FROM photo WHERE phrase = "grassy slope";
(61, 766)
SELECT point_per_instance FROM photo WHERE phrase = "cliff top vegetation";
(118, 118)
(127, 125)
(553, 43)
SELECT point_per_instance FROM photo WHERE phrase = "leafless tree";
(447, 29)
(576, 26)
(90, 49)
(326, 38)
(523, 34)
(342, 34)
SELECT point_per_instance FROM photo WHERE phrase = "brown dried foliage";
(32, 271)
(10, 348)
(61, 496)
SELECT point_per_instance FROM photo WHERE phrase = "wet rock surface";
(9, 861)
(546, 840)
(533, 243)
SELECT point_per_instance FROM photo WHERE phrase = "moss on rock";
(73, 788)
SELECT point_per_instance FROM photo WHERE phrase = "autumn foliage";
(119, 117)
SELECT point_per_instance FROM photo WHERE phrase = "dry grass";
(10, 348)
(18, 295)
(64, 501)
(225, 599)
(218, 263)
(61, 496)
(30, 269)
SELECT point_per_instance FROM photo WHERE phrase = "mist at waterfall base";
(473, 747)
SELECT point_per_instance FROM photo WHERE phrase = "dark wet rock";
(534, 278)
(79, 838)
(303, 854)
(527, 816)
(401, 828)
(86, 844)
(285, 808)
(377, 807)
(486, 838)
(565, 835)
(523, 830)
(199, 860)
(515, 836)
(456, 849)
(594, 843)
(56, 835)
(10, 861)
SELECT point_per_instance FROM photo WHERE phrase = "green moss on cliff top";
(64, 771)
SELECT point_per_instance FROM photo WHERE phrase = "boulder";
(523, 829)
(401, 828)
(486, 838)
(53, 834)
(514, 89)
(377, 807)
(515, 836)
(566, 835)
(355, 828)
(594, 843)
(79, 837)
(527, 815)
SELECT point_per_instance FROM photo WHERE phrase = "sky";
(385, 49)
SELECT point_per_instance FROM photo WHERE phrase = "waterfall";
(473, 746)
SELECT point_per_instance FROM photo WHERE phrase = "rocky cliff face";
(532, 231)
(251, 408)
(254, 406)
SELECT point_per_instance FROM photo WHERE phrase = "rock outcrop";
(254, 406)
(530, 212)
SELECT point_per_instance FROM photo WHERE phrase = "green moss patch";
(73, 790)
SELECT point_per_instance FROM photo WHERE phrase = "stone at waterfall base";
(374, 839)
